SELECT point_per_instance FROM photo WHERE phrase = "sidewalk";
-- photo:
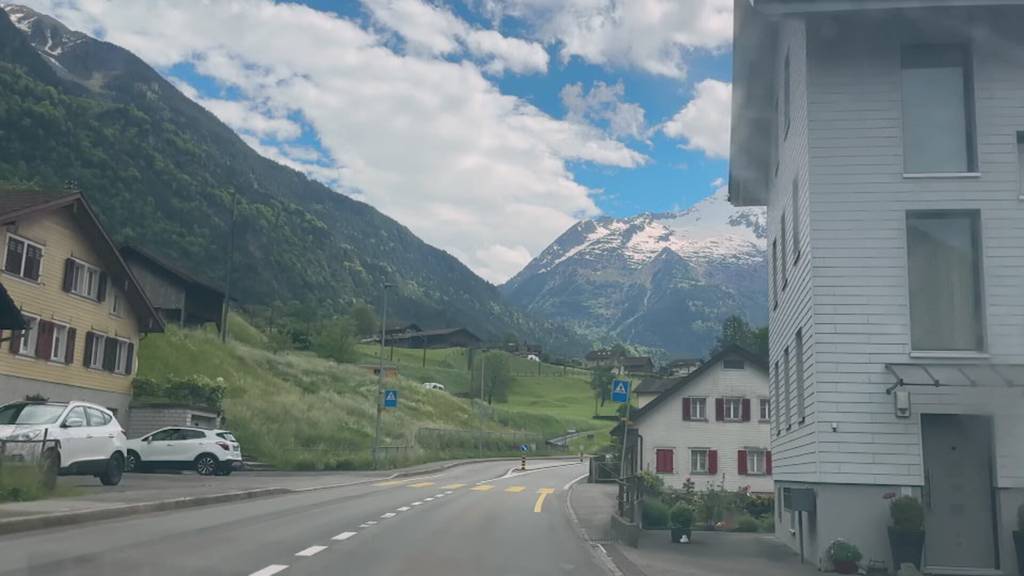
(709, 554)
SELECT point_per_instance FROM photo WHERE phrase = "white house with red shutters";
(711, 425)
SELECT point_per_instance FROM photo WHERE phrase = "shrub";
(767, 524)
(907, 514)
(758, 506)
(196, 390)
(746, 523)
(681, 516)
(651, 484)
(655, 513)
(842, 551)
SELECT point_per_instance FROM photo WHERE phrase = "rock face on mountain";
(657, 280)
(162, 173)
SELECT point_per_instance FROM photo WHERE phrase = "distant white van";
(533, 357)
(433, 386)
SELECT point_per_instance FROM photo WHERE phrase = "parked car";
(87, 439)
(208, 452)
(433, 386)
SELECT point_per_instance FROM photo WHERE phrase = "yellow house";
(84, 311)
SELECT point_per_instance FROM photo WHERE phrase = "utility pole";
(480, 442)
(380, 378)
(231, 262)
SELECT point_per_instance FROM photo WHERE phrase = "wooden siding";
(59, 234)
(793, 442)
(858, 208)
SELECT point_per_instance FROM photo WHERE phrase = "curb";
(598, 551)
(68, 518)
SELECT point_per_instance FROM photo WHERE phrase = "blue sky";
(486, 126)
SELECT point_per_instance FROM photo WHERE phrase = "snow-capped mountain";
(47, 34)
(658, 280)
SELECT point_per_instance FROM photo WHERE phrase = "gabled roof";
(17, 203)
(10, 316)
(179, 273)
(656, 385)
(630, 361)
(731, 350)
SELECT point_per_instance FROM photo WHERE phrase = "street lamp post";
(380, 379)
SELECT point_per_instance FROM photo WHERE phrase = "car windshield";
(30, 413)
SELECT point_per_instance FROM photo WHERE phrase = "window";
(775, 138)
(24, 258)
(192, 435)
(85, 279)
(796, 220)
(698, 409)
(938, 109)
(162, 435)
(733, 364)
(944, 269)
(76, 413)
(664, 461)
(699, 461)
(1020, 163)
(786, 94)
(777, 397)
(733, 409)
(97, 350)
(121, 356)
(29, 336)
(96, 417)
(785, 259)
(775, 273)
(800, 409)
(788, 398)
(59, 347)
(116, 304)
(756, 462)
(766, 410)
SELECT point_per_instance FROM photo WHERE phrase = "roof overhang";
(806, 6)
(956, 375)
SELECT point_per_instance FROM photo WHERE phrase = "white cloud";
(704, 122)
(652, 35)
(244, 117)
(428, 141)
(434, 31)
(604, 104)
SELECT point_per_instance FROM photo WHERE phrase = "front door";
(958, 492)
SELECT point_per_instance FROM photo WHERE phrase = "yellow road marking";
(452, 486)
(389, 483)
(515, 489)
(482, 488)
(543, 493)
(421, 484)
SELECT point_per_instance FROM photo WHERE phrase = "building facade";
(886, 140)
(710, 427)
(178, 296)
(84, 313)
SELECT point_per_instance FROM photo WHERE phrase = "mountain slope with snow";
(657, 280)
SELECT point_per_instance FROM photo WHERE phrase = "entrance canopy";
(957, 375)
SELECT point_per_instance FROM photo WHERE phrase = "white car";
(433, 386)
(81, 439)
(208, 452)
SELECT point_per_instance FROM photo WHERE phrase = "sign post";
(620, 394)
(391, 398)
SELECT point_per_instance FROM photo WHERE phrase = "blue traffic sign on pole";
(620, 391)
(391, 398)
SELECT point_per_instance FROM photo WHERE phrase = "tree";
(336, 341)
(736, 330)
(601, 384)
(364, 318)
(497, 377)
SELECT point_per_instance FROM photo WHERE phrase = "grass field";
(296, 410)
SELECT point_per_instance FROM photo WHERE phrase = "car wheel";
(206, 464)
(133, 463)
(49, 465)
(111, 476)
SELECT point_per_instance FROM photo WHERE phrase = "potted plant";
(681, 521)
(906, 535)
(1018, 539)
(844, 556)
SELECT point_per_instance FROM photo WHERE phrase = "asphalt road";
(473, 520)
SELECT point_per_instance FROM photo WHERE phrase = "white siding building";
(887, 140)
(711, 426)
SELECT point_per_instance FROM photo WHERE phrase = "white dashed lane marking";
(417, 503)
(403, 509)
(388, 515)
(431, 499)
(270, 570)
(344, 536)
(311, 551)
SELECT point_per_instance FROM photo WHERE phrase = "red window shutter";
(130, 360)
(69, 274)
(712, 461)
(663, 461)
(69, 354)
(16, 341)
(741, 462)
(719, 409)
(768, 462)
(87, 355)
(746, 409)
(686, 408)
(44, 341)
(101, 289)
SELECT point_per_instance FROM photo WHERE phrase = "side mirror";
(74, 423)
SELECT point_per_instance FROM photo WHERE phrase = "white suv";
(81, 438)
(208, 452)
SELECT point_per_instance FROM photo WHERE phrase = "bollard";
(523, 465)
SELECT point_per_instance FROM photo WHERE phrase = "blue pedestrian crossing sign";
(391, 398)
(620, 391)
